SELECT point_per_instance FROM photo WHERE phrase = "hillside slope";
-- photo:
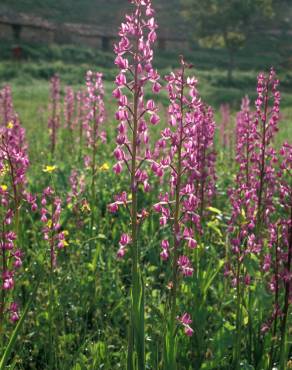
(99, 12)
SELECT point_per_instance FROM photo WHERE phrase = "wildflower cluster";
(69, 109)
(226, 132)
(80, 117)
(252, 198)
(76, 200)
(51, 217)
(95, 109)
(134, 59)
(254, 225)
(7, 112)
(14, 163)
(134, 56)
(54, 118)
(188, 159)
(186, 145)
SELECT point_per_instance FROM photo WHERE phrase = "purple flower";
(14, 164)
(54, 107)
(13, 311)
(134, 56)
(185, 320)
(51, 216)
(252, 196)
(185, 266)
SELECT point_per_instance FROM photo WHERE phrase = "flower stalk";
(134, 56)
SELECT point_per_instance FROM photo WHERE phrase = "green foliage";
(229, 19)
(225, 23)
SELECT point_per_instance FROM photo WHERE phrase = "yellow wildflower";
(10, 125)
(4, 187)
(4, 170)
(104, 167)
(49, 169)
(85, 207)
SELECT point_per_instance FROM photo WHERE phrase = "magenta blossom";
(54, 118)
(14, 164)
(252, 197)
(134, 57)
(51, 217)
(185, 320)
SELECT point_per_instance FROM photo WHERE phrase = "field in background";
(30, 78)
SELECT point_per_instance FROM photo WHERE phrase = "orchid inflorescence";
(134, 59)
(252, 198)
(51, 218)
(55, 111)
(14, 164)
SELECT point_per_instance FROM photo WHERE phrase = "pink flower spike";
(185, 266)
(188, 331)
(121, 62)
(121, 252)
(150, 105)
(156, 87)
(125, 240)
(164, 255)
(117, 168)
(192, 243)
(157, 207)
(186, 320)
(13, 309)
(113, 207)
(154, 119)
(165, 244)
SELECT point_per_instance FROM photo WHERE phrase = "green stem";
(93, 179)
(276, 303)
(51, 296)
(170, 345)
(2, 304)
(250, 323)
(260, 205)
(286, 300)
(51, 338)
(136, 331)
(80, 139)
(236, 350)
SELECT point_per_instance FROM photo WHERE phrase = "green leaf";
(228, 326)
(101, 236)
(137, 353)
(170, 350)
(214, 210)
(214, 226)
(212, 277)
